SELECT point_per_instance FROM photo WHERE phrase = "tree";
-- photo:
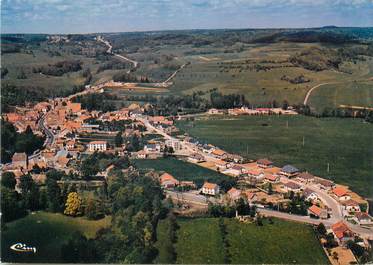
(30, 192)
(54, 199)
(11, 207)
(8, 180)
(285, 105)
(118, 139)
(94, 209)
(270, 189)
(79, 249)
(321, 229)
(73, 204)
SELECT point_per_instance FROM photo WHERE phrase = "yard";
(181, 170)
(200, 241)
(345, 144)
(47, 232)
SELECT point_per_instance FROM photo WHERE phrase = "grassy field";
(343, 143)
(200, 241)
(181, 170)
(47, 232)
(278, 243)
(351, 93)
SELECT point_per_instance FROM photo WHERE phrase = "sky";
(91, 16)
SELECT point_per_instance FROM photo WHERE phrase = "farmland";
(47, 232)
(280, 242)
(280, 138)
(181, 170)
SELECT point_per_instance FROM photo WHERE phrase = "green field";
(181, 170)
(351, 93)
(346, 144)
(47, 232)
(200, 241)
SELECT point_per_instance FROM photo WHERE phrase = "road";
(313, 88)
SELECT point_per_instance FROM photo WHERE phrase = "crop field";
(200, 241)
(181, 170)
(330, 141)
(47, 232)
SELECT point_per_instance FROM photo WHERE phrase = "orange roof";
(340, 229)
(168, 177)
(98, 142)
(272, 170)
(210, 186)
(233, 191)
(250, 195)
(218, 152)
(13, 117)
(255, 172)
(270, 177)
(315, 210)
(74, 107)
(339, 191)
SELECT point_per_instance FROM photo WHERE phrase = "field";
(280, 138)
(47, 232)
(350, 93)
(200, 241)
(181, 170)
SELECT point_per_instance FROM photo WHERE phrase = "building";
(19, 160)
(97, 146)
(271, 178)
(234, 194)
(264, 163)
(325, 184)
(310, 195)
(363, 219)
(215, 111)
(196, 158)
(342, 233)
(305, 177)
(175, 144)
(70, 145)
(236, 170)
(219, 153)
(315, 211)
(341, 194)
(350, 206)
(289, 171)
(152, 148)
(210, 189)
(292, 186)
(167, 181)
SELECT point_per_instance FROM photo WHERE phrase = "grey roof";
(289, 169)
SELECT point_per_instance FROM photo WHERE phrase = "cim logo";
(20, 247)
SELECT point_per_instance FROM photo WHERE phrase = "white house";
(310, 195)
(152, 148)
(97, 146)
(210, 189)
(236, 170)
(175, 144)
(291, 186)
(363, 218)
(234, 194)
(341, 194)
(350, 206)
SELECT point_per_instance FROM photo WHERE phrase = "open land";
(280, 138)
(47, 232)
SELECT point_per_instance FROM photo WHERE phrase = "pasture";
(332, 141)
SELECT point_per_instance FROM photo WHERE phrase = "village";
(71, 133)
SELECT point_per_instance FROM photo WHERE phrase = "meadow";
(345, 144)
(47, 232)
(200, 241)
(181, 170)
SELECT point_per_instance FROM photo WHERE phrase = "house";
(97, 146)
(234, 194)
(74, 107)
(141, 154)
(341, 194)
(289, 171)
(251, 196)
(236, 170)
(210, 189)
(175, 144)
(363, 218)
(167, 181)
(207, 148)
(219, 153)
(271, 178)
(63, 161)
(325, 184)
(39, 178)
(305, 177)
(196, 158)
(315, 211)
(235, 158)
(70, 145)
(189, 184)
(221, 165)
(215, 111)
(291, 186)
(264, 163)
(342, 233)
(255, 173)
(350, 206)
(310, 195)
(152, 148)
(19, 160)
